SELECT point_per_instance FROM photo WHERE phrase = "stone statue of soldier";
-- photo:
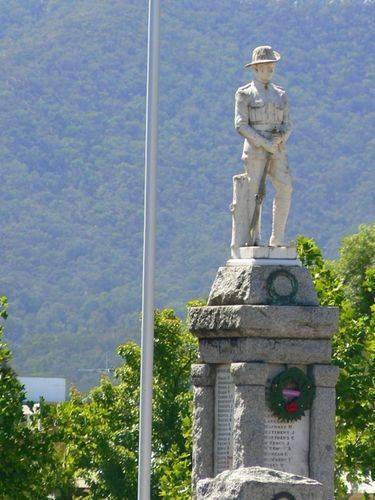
(262, 118)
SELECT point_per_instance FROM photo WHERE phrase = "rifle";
(259, 197)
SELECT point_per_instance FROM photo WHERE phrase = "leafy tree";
(350, 284)
(175, 477)
(28, 460)
(100, 430)
(356, 267)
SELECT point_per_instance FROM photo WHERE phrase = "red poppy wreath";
(291, 394)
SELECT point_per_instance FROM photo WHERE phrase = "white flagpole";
(149, 245)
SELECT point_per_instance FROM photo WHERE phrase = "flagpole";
(149, 246)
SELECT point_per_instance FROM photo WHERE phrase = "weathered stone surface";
(322, 439)
(258, 483)
(202, 374)
(264, 321)
(248, 425)
(268, 350)
(249, 373)
(248, 414)
(248, 285)
(325, 375)
(203, 434)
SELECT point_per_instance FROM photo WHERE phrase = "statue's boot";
(281, 205)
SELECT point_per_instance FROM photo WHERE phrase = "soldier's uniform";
(260, 111)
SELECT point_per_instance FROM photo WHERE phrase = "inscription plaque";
(286, 444)
(224, 401)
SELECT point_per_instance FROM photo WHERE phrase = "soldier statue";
(262, 118)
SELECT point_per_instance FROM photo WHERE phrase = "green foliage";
(197, 302)
(350, 283)
(175, 477)
(28, 458)
(72, 105)
(100, 430)
(328, 284)
(357, 268)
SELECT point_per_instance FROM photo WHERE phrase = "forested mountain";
(72, 100)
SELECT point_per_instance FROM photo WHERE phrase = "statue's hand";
(277, 139)
(270, 146)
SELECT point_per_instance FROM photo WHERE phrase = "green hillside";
(72, 86)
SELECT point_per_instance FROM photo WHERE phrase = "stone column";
(203, 379)
(248, 417)
(322, 428)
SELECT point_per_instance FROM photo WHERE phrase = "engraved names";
(286, 444)
(224, 400)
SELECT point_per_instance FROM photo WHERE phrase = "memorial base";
(259, 483)
(260, 321)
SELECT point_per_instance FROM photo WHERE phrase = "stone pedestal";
(261, 319)
(259, 483)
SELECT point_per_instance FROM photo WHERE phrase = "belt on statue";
(266, 127)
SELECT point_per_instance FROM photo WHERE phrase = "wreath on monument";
(291, 394)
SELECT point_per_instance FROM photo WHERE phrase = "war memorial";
(264, 386)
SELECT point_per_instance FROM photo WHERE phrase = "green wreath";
(291, 394)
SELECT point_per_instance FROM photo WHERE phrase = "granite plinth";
(285, 351)
(258, 483)
(292, 322)
(256, 284)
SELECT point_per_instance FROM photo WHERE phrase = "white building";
(51, 389)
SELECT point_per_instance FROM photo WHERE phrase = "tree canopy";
(99, 431)
(28, 460)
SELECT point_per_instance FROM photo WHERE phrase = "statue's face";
(264, 71)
